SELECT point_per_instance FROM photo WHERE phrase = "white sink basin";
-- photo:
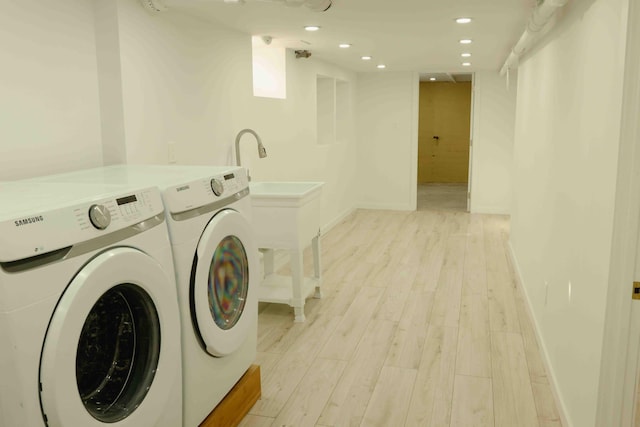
(285, 214)
(284, 193)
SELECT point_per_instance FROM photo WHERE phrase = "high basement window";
(269, 69)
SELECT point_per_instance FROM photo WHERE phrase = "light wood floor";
(449, 197)
(421, 324)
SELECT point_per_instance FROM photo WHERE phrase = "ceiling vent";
(302, 54)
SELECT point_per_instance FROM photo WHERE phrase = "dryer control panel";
(35, 232)
(204, 191)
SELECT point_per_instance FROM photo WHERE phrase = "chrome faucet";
(262, 153)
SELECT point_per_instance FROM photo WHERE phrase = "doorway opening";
(444, 129)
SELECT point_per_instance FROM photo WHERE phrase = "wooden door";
(443, 132)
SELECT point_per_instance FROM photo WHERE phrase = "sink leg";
(268, 258)
(299, 315)
(317, 268)
(297, 279)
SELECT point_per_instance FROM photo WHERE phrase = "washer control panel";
(118, 212)
(36, 232)
(204, 191)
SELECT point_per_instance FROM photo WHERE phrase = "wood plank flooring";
(421, 324)
(450, 197)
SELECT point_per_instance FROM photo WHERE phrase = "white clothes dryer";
(89, 320)
(217, 271)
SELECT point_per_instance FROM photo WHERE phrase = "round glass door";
(118, 352)
(228, 282)
(111, 355)
(224, 300)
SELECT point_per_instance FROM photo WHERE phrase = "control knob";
(217, 187)
(99, 216)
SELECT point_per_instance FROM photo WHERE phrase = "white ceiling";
(405, 35)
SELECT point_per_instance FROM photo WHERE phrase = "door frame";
(415, 120)
(471, 127)
(415, 131)
(619, 364)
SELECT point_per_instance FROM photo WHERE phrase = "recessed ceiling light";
(366, 58)
(312, 28)
(465, 41)
(466, 64)
(463, 20)
(344, 45)
(381, 66)
(433, 79)
(465, 55)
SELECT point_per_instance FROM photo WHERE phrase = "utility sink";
(285, 214)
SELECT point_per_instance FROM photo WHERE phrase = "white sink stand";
(287, 216)
(295, 289)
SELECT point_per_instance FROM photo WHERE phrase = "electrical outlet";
(171, 153)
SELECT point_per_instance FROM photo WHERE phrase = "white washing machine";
(217, 271)
(89, 320)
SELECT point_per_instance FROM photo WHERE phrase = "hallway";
(422, 323)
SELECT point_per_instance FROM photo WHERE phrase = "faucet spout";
(262, 152)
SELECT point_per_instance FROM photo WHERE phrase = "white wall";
(49, 108)
(82, 86)
(114, 150)
(288, 130)
(565, 161)
(189, 82)
(387, 140)
(185, 81)
(618, 374)
(92, 82)
(494, 107)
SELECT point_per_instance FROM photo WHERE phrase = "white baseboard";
(562, 409)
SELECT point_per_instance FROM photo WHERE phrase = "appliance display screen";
(124, 200)
(229, 176)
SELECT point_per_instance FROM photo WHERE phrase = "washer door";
(112, 350)
(223, 293)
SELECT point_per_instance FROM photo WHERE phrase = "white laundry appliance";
(89, 319)
(217, 271)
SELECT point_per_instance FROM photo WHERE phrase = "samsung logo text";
(30, 220)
